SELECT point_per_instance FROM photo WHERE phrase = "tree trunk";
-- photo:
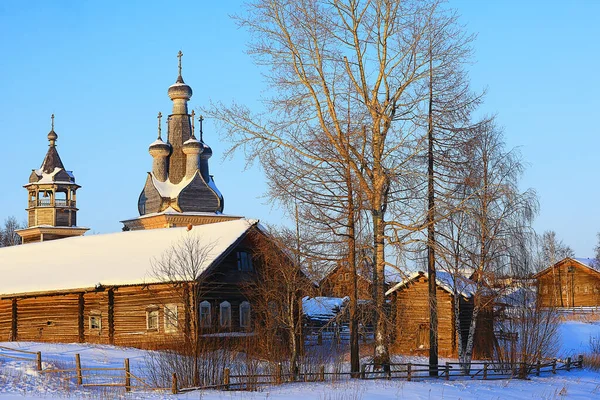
(433, 315)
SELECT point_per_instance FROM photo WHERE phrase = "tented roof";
(108, 259)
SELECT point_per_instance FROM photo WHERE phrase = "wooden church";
(106, 288)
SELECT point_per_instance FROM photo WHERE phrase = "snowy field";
(19, 380)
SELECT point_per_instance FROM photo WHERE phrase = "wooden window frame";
(245, 305)
(227, 306)
(97, 317)
(149, 317)
(171, 318)
(244, 261)
(205, 322)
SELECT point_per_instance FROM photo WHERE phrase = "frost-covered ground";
(19, 380)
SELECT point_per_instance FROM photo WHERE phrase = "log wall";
(412, 320)
(48, 319)
(339, 284)
(5, 319)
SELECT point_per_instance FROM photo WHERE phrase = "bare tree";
(314, 48)
(182, 266)
(8, 235)
(278, 291)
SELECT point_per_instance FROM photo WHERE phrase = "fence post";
(174, 388)
(38, 359)
(127, 376)
(580, 360)
(447, 369)
(322, 373)
(554, 366)
(485, 369)
(523, 371)
(226, 378)
(278, 374)
(363, 371)
(320, 338)
(408, 371)
(568, 363)
(78, 369)
(537, 368)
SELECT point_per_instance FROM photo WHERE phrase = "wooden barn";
(104, 288)
(410, 316)
(572, 282)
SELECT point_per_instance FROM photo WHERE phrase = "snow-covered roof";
(590, 263)
(464, 286)
(108, 259)
(323, 308)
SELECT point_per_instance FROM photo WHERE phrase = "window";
(171, 321)
(244, 314)
(423, 336)
(341, 277)
(244, 261)
(585, 289)
(205, 318)
(95, 322)
(152, 319)
(347, 276)
(225, 314)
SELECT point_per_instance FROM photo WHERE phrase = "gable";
(569, 262)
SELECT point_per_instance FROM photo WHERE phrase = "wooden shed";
(410, 305)
(102, 289)
(571, 282)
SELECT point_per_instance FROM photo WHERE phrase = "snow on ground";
(575, 337)
(19, 380)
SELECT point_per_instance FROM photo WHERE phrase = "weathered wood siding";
(48, 318)
(412, 320)
(569, 284)
(96, 304)
(5, 319)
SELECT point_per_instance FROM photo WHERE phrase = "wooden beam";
(80, 318)
(13, 333)
(111, 316)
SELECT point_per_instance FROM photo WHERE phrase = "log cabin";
(571, 282)
(338, 283)
(410, 316)
(104, 288)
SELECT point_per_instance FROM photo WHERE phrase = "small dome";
(192, 145)
(207, 152)
(52, 136)
(158, 147)
(179, 90)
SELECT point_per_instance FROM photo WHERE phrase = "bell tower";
(52, 203)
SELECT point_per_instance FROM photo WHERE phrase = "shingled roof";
(51, 161)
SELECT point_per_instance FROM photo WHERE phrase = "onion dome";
(179, 90)
(207, 152)
(159, 148)
(192, 146)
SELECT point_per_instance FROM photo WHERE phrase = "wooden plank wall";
(412, 310)
(96, 304)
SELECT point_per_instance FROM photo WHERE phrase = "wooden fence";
(407, 371)
(91, 377)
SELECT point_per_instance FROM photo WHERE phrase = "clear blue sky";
(104, 68)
